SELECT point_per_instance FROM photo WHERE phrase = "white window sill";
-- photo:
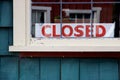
(64, 48)
(70, 45)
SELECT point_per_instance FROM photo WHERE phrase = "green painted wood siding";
(6, 13)
(8, 68)
(6, 23)
(13, 68)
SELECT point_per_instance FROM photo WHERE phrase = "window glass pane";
(109, 14)
(76, 0)
(37, 17)
(75, 18)
(82, 17)
(44, 14)
(87, 16)
(33, 16)
(106, 1)
(76, 13)
(45, 0)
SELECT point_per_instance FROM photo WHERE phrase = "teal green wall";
(14, 68)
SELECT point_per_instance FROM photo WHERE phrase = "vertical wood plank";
(89, 69)
(108, 69)
(6, 13)
(29, 69)
(70, 69)
(50, 69)
(3, 41)
(9, 68)
(0, 11)
(10, 42)
(0, 68)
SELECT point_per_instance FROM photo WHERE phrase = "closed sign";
(74, 30)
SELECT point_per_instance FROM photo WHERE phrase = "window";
(80, 17)
(50, 19)
(39, 15)
(84, 16)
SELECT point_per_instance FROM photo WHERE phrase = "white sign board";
(74, 30)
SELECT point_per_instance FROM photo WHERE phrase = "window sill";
(64, 48)
(67, 45)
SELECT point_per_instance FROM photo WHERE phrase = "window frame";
(46, 10)
(96, 15)
(47, 13)
(22, 41)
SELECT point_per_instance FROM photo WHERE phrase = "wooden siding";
(13, 68)
(5, 9)
(8, 68)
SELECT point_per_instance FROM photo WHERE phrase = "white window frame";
(46, 11)
(96, 15)
(22, 41)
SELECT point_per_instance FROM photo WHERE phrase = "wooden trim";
(72, 54)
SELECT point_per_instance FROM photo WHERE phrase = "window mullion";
(36, 16)
(83, 18)
(61, 16)
(91, 19)
(75, 18)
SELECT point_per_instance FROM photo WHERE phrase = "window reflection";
(69, 11)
